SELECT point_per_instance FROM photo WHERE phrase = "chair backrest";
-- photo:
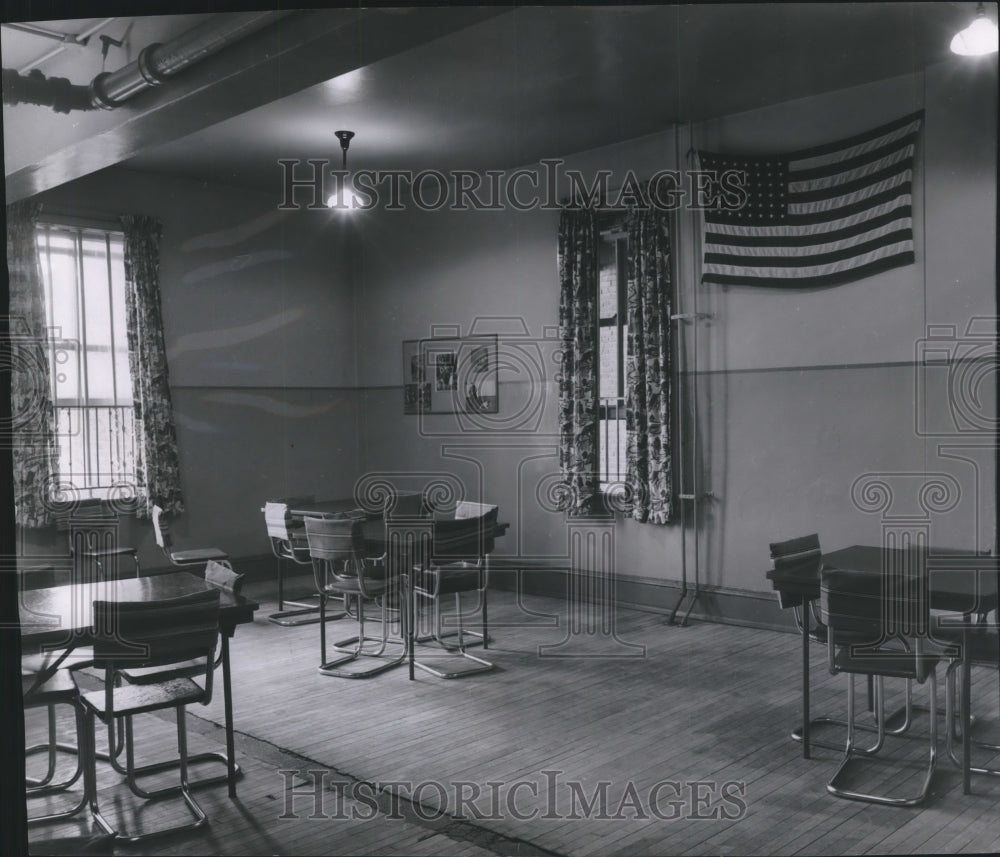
(462, 538)
(470, 509)
(161, 529)
(800, 554)
(277, 520)
(405, 504)
(156, 633)
(874, 606)
(335, 540)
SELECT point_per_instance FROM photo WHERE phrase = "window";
(83, 273)
(612, 338)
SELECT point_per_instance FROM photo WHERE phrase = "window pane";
(608, 284)
(608, 362)
(100, 377)
(96, 301)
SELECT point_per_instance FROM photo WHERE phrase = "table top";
(374, 526)
(48, 615)
(955, 575)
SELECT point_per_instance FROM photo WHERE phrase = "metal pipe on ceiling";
(157, 62)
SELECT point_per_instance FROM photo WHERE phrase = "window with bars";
(83, 273)
(612, 350)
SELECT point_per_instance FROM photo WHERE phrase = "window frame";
(611, 231)
(93, 479)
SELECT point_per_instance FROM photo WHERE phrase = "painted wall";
(800, 393)
(284, 335)
(258, 316)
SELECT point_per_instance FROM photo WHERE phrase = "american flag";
(816, 217)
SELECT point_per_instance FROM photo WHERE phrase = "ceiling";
(541, 81)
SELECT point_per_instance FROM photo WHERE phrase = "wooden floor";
(650, 740)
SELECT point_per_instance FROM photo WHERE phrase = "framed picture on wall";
(444, 375)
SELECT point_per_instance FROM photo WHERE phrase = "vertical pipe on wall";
(680, 346)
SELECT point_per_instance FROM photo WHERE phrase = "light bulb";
(976, 40)
(350, 201)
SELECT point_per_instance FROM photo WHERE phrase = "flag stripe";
(805, 236)
(798, 184)
(896, 228)
(828, 214)
(897, 126)
(832, 203)
(809, 194)
(884, 149)
(846, 252)
(799, 268)
(833, 279)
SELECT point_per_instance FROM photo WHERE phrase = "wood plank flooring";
(571, 746)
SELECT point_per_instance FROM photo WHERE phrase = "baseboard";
(725, 605)
(720, 604)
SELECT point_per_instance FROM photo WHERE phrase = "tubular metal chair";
(468, 509)
(288, 542)
(59, 689)
(149, 634)
(456, 565)
(93, 536)
(336, 546)
(867, 613)
(980, 646)
(222, 577)
(195, 556)
(803, 555)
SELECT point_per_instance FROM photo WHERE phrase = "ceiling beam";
(298, 52)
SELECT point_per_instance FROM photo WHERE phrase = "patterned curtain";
(578, 237)
(158, 468)
(32, 415)
(649, 463)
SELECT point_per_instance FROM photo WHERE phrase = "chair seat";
(124, 550)
(351, 586)
(451, 578)
(137, 698)
(147, 675)
(57, 689)
(885, 663)
(197, 555)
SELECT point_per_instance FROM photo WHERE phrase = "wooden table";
(960, 582)
(62, 617)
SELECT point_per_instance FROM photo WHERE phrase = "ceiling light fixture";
(978, 39)
(345, 199)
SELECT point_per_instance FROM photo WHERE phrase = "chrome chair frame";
(336, 547)
(59, 689)
(804, 553)
(458, 546)
(288, 543)
(155, 634)
(854, 607)
(185, 558)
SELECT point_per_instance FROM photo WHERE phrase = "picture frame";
(446, 375)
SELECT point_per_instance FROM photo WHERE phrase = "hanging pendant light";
(978, 39)
(346, 199)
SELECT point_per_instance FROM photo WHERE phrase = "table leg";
(411, 620)
(805, 678)
(966, 709)
(227, 693)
